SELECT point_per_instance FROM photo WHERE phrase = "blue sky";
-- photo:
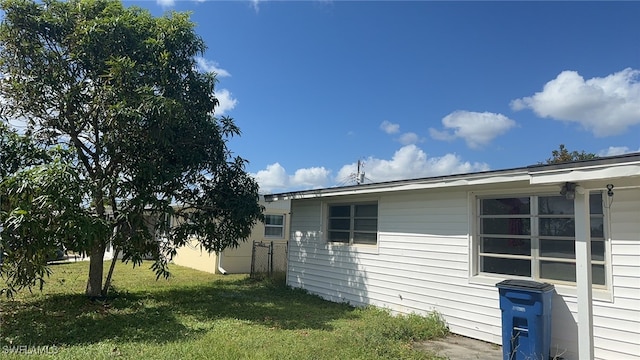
(417, 89)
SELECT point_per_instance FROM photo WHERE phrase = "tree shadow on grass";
(163, 316)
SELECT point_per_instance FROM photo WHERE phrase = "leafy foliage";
(562, 155)
(46, 214)
(18, 151)
(120, 90)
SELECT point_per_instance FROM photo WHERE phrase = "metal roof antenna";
(360, 173)
(357, 177)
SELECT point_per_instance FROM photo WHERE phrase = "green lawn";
(195, 315)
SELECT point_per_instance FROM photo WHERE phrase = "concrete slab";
(455, 347)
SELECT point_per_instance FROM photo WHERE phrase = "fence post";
(253, 258)
(271, 258)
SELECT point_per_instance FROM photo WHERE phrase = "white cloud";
(605, 106)
(616, 150)
(409, 138)
(310, 177)
(441, 135)
(255, 4)
(226, 101)
(211, 66)
(389, 127)
(171, 3)
(405, 139)
(274, 178)
(166, 3)
(410, 162)
(477, 129)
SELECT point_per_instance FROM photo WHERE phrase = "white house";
(442, 243)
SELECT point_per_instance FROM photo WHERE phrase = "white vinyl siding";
(422, 268)
(616, 324)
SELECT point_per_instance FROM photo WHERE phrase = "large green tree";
(118, 92)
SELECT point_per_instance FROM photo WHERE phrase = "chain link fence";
(268, 259)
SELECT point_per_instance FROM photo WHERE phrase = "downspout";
(221, 270)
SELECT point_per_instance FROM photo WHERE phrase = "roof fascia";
(589, 173)
(492, 177)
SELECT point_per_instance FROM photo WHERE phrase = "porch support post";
(583, 274)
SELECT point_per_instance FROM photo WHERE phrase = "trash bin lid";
(528, 285)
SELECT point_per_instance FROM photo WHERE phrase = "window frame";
(535, 237)
(352, 220)
(272, 226)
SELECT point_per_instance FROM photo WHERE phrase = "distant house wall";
(235, 260)
(194, 257)
(423, 261)
(238, 260)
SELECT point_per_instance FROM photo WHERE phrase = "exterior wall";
(239, 260)
(616, 323)
(236, 260)
(194, 257)
(422, 263)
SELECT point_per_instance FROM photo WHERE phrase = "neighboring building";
(442, 243)
(238, 260)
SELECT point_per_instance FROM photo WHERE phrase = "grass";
(195, 315)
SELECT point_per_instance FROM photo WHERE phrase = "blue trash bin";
(526, 319)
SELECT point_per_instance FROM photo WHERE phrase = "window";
(274, 226)
(353, 223)
(534, 236)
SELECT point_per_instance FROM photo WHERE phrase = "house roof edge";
(481, 177)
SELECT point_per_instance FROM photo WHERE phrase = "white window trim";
(283, 226)
(600, 292)
(350, 244)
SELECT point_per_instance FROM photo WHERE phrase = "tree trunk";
(96, 258)
(96, 264)
(107, 282)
